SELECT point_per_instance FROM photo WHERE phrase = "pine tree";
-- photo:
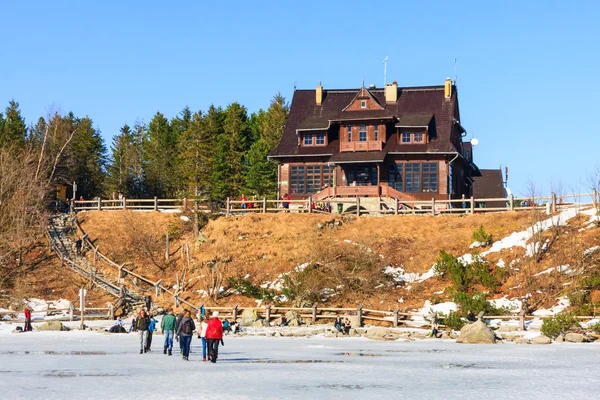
(37, 133)
(14, 130)
(273, 122)
(119, 177)
(159, 158)
(261, 173)
(239, 140)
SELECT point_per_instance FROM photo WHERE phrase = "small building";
(490, 186)
(402, 143)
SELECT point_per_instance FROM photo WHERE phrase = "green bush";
(481, 236)
(247, 288)
(482, 271)
(453, 320)
(558, 324)
(477, 303)
(447, 265)
(594, 327)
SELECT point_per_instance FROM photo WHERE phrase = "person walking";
(214, 336)
(151, 327)
(78, 246)
(27, 327)
(169, 326)
(202, 336)
(142, 323)
(186, 329)
(179, 318)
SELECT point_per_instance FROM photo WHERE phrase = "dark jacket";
(182, 323)
(142, 323)
(168, 323)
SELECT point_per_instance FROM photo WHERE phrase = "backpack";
(186, 329)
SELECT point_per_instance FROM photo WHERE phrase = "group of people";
(182, 328)
(342, 326)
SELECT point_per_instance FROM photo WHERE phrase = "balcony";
(362, 191)
(369, 145)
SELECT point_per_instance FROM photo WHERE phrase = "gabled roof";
(364, 93)
(417, 106)
(489, 186)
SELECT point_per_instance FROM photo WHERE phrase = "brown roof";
(414, 105)
(414, 120)
(489, 186)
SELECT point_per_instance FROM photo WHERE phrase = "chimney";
(391, 92)
(319, 93)
(448, 88)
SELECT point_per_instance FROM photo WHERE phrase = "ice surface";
(88, 365)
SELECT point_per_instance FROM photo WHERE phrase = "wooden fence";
(72, 313)
(548, 204)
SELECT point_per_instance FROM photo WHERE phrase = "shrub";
(247, 288)
(481, 236)
(485, 276)
(559, 324)
(453, 320)
(595, 327)
(448, 265)
(477, 303)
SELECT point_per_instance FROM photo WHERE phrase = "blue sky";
(528, 71)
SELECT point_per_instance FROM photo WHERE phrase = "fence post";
(522, 320)
(111, 312)
(595, 198)
(235, 312)
(314, 314)
(358, 206)
(511, 202)
(155, 203)
(548, 208)
(184, 204)
(359, 313)
(310, 204)
(71, 311)
(553, 202)
(396, 318)
(99, 204)
(228, 206)
(433, 206)
(472, 205)
(268, 314)
(397, 206)
(264, 205)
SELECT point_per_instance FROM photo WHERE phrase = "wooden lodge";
(397, 143)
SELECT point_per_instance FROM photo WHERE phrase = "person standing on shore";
(214, 336)
(186, 330)
(27, 327)
(202, 336)
(142, 324)
(169, 326)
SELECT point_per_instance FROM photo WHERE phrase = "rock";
(261, 323)
(360, 331)
(330, 334)
(521, 340)
(507, 328)
(52, 326)
(248, 318)
(277, 334)
(541, 340)
(476, 333)
(377, 333)
(352, 332)
(574, 337)
(320, 226)
(293, 318)
(560, 338)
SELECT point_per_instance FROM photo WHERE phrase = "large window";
(376, 134)
(349, 133)
(405, 137)
(308, 140)
(414, 177)
(307, 179)
(320, 139)
(362, 133)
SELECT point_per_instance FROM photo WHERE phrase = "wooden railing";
(402, 203)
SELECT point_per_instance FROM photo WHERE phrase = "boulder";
(541, 340)
(277, 334)
(560, 338)
(249, 317)
(260, 323)
(507, 328)
(521, 340)
(574, 337)
(293, 318)
(52, 326)
(476, 333)
(330, 334)
(377, 333)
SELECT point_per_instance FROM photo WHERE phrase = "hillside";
(302, 258)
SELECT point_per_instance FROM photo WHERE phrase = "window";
(362, 133)
(412, 177)
(308, 140)
(307, 179)
(430, 177)
(376, 135)
(297, 179)
(405, 137)
(320, 139)
(418, 138)
(349, 133)
(363, 104)
(395, 180)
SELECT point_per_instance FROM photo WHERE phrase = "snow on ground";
(513, 305)
(563, 302)
(561, 268)
(76, 365)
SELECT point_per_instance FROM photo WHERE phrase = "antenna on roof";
(294, 86)
(455, 75)
(385, 71)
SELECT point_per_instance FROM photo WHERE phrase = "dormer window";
(405, 137)
(308, 140)
(418, 138)
(363, 104)
(349, 133)
(376, 134)
(362, 133)
(320, 139)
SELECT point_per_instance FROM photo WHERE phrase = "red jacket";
(27, 313)
(215, 329)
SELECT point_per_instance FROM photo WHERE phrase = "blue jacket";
(152, 324)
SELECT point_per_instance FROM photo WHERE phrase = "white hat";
(215, 314)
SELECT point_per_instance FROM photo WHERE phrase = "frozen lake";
(77, 365)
